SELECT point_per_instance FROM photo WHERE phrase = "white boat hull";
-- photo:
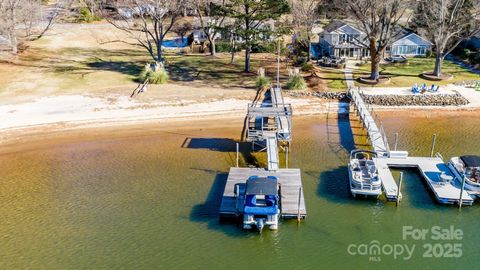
(361, 188)
(469, 186)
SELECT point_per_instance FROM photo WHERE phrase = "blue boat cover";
(265, 210)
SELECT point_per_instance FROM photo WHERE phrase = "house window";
(421, 50)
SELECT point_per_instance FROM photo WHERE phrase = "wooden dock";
(376, 134)
(291, 191)
(446, 192)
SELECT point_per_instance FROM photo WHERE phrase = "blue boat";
(260, 202)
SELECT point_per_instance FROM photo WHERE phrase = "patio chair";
(424, 87)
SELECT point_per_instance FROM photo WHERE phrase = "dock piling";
(434, 140)
(286, 157)
(299, 200)
(460, 201)
(396, 141)
(237, 153)
(399, 187)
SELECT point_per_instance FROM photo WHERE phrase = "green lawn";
(406, 75)
(335, 78)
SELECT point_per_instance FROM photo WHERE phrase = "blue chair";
(424, 87)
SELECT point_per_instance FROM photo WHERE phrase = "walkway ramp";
(272, 152)
(431, 170)
(283, 122)
(376, 134)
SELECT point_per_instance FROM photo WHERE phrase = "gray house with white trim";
(344, 40)
(410, 44)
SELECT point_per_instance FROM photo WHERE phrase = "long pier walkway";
(375, 133)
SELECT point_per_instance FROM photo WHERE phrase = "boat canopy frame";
(471, 161)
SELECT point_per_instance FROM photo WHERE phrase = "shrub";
(225, 46)
(265, 47)
(86, 16)
(307, 67)
(158, 76)
(474, 58)
(296, 82)
(464, 54)
(262, 83)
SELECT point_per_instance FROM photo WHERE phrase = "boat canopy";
(471, 161)
(262, 186)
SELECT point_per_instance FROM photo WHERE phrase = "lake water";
(149, 200)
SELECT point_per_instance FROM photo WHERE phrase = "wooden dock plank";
(289, 180)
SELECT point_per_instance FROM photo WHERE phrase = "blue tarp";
(175, 43)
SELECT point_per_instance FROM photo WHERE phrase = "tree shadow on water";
(226, 145)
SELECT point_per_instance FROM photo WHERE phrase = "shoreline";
(214, 115)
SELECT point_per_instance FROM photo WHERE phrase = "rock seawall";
(340, 96)
(416, 100)
(392, 100)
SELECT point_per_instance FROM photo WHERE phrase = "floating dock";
(292, 201)
(433, 169)
(446, 192)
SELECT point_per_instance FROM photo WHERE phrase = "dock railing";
(363, 115)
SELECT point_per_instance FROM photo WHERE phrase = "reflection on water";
(152, 202)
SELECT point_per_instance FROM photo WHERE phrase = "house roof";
(342, 27)
(334, 26)
(410, 38)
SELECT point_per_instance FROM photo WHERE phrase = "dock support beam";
(286, 157)
(237, 154)
(434, 140)
(299, 199)
(460, 201)
(396, 141)
(398, 190)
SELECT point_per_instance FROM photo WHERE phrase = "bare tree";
(447, 23)
(305, 15)
(148, 22)
(26, 15)
(379, 20)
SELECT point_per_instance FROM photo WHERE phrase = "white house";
(344, 40)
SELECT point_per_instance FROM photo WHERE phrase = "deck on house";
(291, 191)
(446, 192)
(375, 133)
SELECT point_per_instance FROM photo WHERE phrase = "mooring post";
(286, 157)
(399, 187)
(460, 201)
(396, 141)
(434, 140)
(299, 198)
(237, 154)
